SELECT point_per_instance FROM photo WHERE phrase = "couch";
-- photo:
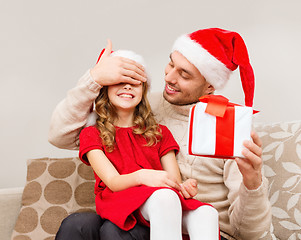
(58, 187)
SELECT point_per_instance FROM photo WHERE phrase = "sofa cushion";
(54, 189)
(282, 167)
(10, 203)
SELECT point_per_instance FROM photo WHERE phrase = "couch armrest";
(10, 204)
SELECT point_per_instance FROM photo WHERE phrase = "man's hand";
(157, 178)
(189, 188)
(250, 166)
(113, 70)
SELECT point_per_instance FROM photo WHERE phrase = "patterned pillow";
(54, 189)
(282, 167)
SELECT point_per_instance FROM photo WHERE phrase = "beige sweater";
(243, 214)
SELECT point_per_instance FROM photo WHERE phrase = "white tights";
(164, 212)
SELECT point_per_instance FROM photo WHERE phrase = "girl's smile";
(125, 96)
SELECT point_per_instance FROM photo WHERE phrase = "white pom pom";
(91, 120)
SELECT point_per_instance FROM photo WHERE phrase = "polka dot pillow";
(54, 189)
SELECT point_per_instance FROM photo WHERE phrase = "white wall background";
(45, 46)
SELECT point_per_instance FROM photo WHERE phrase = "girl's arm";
(106, 171)
(169, 163)
(116, 182)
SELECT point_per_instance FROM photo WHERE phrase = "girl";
(137, 176)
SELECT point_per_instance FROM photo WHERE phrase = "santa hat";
(216, 53)
(91, 120)
(126, 54)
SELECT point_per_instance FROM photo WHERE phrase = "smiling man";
(184, 83)
(200, 62)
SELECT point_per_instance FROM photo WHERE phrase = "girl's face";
(125, 96)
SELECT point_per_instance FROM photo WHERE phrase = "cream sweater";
(243, 214)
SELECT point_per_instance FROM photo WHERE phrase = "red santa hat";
(216, 53)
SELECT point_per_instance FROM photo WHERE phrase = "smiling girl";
(137, 176)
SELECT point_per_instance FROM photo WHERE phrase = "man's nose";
(171, 76)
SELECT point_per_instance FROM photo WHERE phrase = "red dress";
(130, 154)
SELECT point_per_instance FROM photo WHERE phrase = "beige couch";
(58, 187)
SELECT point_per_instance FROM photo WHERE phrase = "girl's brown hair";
(144, 120)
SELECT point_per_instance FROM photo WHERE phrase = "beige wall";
(45, 46)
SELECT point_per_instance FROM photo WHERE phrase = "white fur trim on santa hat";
(214, 71)
(130, 55)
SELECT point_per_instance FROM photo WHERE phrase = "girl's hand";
(113, 70)
(157, 178)
(189, 188)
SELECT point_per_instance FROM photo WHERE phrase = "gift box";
(217, 127)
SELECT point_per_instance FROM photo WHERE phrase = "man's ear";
(209, 89)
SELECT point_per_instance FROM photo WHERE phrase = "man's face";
(184, 84)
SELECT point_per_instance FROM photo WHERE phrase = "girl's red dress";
(129, 155)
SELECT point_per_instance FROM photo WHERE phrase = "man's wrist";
(253, 186)
(92, 84)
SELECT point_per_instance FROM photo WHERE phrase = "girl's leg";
(163, 210)
(201, 223)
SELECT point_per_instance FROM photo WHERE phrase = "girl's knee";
(161, 202)
(208, 211)
(166, 197)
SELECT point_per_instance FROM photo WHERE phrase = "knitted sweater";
(243, 214)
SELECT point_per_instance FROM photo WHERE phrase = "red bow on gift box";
(224, 112)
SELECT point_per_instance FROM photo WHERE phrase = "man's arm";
(71, 114)
(250, 210)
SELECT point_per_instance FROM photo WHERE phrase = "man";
(200, 62)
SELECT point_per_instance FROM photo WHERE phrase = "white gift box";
(217, 128)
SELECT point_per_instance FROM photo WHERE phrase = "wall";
(45, 46)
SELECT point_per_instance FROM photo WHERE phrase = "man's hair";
(144, 120)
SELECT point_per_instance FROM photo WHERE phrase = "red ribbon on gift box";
(224, 111)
